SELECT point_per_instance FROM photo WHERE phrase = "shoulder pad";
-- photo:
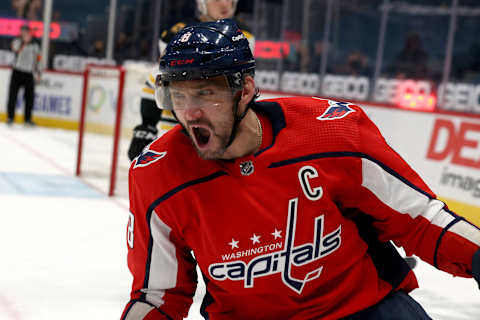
(247, 34)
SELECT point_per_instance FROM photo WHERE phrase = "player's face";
(205, 110)
(220, 9)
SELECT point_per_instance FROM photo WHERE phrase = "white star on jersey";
(277, 233)
(234, 244)
(255, 239)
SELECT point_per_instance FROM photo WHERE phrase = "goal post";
(116, 134)
(110, 108)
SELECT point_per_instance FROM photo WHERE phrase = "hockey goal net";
(110, 109)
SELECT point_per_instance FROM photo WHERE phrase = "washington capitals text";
(283, 261)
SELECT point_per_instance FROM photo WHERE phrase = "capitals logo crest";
(336, 110)
(147, 157)
(284, 261)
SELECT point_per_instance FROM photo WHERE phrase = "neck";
(248, 139)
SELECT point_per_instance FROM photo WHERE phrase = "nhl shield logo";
(246, 168)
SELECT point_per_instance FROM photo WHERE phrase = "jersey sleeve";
(148, 89)
(163, 268)
(405, 210)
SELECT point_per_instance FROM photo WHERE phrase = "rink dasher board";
(58, 100)
(443, 148)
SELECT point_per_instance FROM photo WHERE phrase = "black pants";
(396, 306)
(17, 80)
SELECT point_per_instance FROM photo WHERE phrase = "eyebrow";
(200, 85)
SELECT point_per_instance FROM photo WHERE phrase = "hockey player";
(288, 205)
(146, 132)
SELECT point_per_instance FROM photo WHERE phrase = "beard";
(220, 135)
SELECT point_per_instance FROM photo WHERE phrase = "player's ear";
(248, 90)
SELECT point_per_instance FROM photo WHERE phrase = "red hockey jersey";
(299, 230)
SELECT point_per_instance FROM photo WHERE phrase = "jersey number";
(131, 220)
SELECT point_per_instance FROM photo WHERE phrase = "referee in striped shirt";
(25, 72)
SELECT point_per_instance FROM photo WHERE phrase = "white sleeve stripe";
(466, 230)
(397, 194)
(405, 199)
(164, 265)
(138, 311)
(442, 220)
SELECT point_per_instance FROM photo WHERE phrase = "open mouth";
(202, 135)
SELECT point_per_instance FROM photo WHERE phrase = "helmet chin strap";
(237, 119)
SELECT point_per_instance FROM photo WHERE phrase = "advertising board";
(444, 148)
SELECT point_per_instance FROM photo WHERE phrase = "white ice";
(63, 247)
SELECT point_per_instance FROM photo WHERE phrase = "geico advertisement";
(56, 95)
(443, 149)
(462, 97)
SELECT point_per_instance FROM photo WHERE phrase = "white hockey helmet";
(202, 6)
